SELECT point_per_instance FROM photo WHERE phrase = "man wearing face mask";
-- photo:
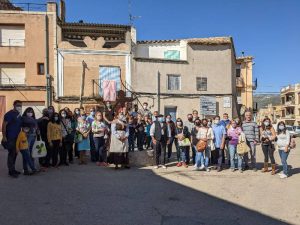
(190, 125)
(145, 111)
(11, 128)
(160, 138)
(171, 130)
(219, 142)
(251, 132)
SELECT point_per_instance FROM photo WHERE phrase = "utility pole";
(84, 66)
(48, 77)
(158, 92)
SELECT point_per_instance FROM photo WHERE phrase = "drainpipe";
(48, 77)
(158, 92)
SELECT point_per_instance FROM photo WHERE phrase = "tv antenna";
(132, 18)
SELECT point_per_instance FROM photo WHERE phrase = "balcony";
(124, 90)
(290, 103)
(289, 116)
(240, 82)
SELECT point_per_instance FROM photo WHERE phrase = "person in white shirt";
(205, 134)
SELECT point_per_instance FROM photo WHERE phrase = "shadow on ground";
(89, 195)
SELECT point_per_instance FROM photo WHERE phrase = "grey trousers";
(252, 153)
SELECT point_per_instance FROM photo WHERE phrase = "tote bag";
(184, 143)
(242, 146)
(39, 149)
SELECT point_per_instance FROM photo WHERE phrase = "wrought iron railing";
(17, 6)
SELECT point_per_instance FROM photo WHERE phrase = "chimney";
(51, 7)
(62, 10)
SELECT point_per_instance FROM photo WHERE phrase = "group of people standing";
(110, 135)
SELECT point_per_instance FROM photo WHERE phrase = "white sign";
(208, 105)
(226, 102)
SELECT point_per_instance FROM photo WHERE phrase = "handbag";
(78, 137)
(39, 149)
(70, 136)
(242, 146)
(184, 143)
(293, 143)
(202, 145)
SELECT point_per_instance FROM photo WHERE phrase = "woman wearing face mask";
(195, 140)
(233, 133)
(118, 151)
(209, 123)
(267, 138)
(181, 133)
(28, 117)
(76, 114)
(68, 137)
(283, 144)
(83, 128)
(204, 134)
(98, 129)
(171, 128)
(54, 136)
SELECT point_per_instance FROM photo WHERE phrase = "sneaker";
(196, 169)
(17, 172)
(207, 170)
(164, 167)
(279, 174)
(254, 169)
(241, 171)
(219, 169)
(283, 176)
(179, 164)
(156, 167)
(232, 170)
(202, 167)
(195, 166)
(185, 165)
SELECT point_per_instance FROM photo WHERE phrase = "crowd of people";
(109, 135)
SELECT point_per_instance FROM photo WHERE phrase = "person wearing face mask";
(51, 111)
(90, 119)
(283, 145)
(43, 124)
(28, 117)
(219, 142)
(98, 130)
(209, 123)
(233, 134)
(145, 111)
(171, 128)
(83, 129)
(183, 152)
(11, 128)
(206, 135)
(267, 138)
(160, 138)
(54, 136)
(22, 146)
(251, 132)
(68, 138)
(190, 125)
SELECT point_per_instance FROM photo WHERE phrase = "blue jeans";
(233, 156)
(27, 160)
(202, 158)
(99, 148)
(283, 156)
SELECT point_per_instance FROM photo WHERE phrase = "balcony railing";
(12, 43)
(122, 88)
(40, 7)
(290, 116)
(289, 103)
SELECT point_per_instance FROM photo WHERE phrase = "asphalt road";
(89, 195)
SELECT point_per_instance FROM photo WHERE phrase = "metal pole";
(48, 77)
(82, 82)
(158, 92)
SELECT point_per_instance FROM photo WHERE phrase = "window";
(201, 83)
(174, 82)
(12, 35)
(40, 69)
(12, 73)
(238, 70)
(172, 54)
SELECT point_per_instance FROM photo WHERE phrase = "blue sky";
(269, 30)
